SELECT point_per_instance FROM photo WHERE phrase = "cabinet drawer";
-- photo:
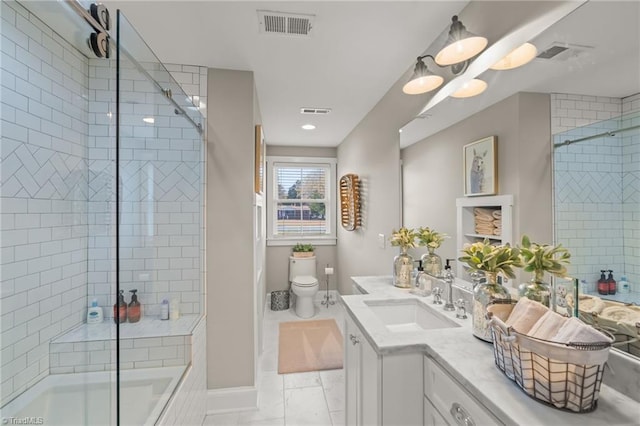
(451, 400)
(431, 416)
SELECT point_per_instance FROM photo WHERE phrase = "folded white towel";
(575, 331)
(483, 213)
(497, 231)
(547, 326)
(497, 214)
(497, 223)
(525, 314)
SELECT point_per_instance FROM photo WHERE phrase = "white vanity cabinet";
(447, 403)
(380, 389)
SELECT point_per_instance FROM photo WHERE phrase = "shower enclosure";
(102, 163)
(596, 183)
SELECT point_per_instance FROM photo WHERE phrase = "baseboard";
(232, 399)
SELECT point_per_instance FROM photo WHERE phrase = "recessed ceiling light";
(308, 126)
(149, 120)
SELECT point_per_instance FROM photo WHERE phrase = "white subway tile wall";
(189, 405)
(57, 210)
(161, 169)
(43, 195)
(590, 203)
(631, 190)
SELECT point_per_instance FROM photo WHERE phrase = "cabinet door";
(370, 387)
(351, 371)
(431, 416)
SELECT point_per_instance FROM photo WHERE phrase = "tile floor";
(313, 398)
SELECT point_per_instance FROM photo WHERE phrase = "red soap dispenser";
(603, 285)
(611, 283)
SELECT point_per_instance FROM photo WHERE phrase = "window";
(301, 194)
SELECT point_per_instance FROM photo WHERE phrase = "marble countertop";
(453, 348)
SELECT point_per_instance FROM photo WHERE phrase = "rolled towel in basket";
(575, 331)
(547, 326)
(525, 314)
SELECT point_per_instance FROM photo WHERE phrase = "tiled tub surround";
(162, 169)
(470, 362)
(57, 193)
(43, 195)
(148, 343)
(597, 186)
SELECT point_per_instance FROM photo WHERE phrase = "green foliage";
(404, 237)
(430, 238)
(303, 248)
(482, 256)
(539, 258)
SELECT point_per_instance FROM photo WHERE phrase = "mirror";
(597, 212)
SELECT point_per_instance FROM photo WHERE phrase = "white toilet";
(304, 284)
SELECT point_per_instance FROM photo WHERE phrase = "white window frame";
(272, 205)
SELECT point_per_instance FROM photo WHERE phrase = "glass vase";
(432, 263)
(485, 293)
(536, 289)
(402, 268)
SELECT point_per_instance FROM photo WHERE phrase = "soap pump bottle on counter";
(120, 309)
(603, 285)
(133, 311)
(611, 283)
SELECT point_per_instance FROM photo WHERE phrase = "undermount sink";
(408, 315)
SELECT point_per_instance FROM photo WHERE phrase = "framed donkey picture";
(480, 167)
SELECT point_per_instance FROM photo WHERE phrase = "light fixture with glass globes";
(470, 88)
(461, 44)
(422, 80)
(516, 58)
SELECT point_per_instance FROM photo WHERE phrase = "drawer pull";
(354, 339)
(460, 415)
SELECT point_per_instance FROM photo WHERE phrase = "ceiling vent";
(562, 51)
(317, 111)
(283, 23)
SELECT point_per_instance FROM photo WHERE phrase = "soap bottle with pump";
(120, 309)
(94, 314)
(603, 285)
(134, 308)
(611, 283)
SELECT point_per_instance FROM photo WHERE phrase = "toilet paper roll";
(328, 271)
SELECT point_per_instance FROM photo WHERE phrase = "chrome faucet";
(448, 278)
(437, 296)
(461, 311)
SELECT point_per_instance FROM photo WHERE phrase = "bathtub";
(90, 398)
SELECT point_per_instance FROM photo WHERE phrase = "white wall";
(230, 244)
(277, 257)
(372, 151)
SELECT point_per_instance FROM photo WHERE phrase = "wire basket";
(566, 376)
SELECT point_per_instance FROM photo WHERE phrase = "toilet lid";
(305, 281)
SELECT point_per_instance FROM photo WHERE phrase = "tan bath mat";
(309, 346)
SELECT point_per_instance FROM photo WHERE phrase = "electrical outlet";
(381, 241)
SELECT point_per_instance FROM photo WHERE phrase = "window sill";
(330, 241)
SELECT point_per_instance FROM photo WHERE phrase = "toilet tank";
(299, 266)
